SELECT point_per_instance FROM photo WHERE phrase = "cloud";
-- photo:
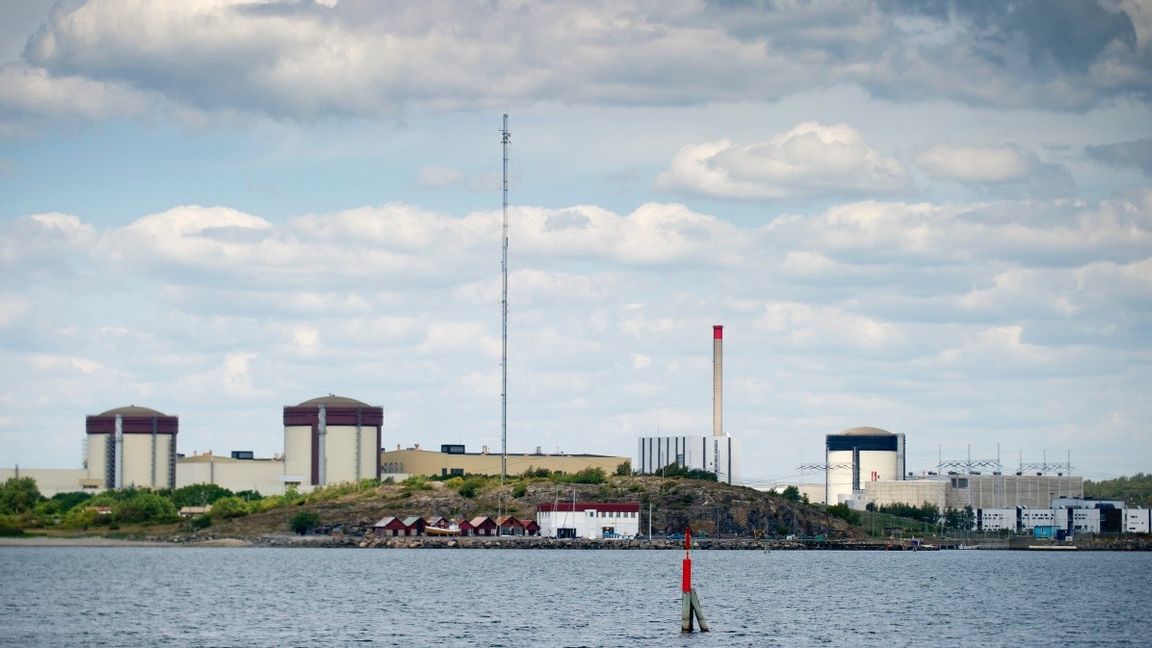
(1002, 171)
(1135, 153)
(308, 61)
(809, 159)
(975, 164)
(912, 316)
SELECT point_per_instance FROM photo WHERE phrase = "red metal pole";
(686, 575)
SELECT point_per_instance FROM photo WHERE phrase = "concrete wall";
(50, 481)
(914, 492)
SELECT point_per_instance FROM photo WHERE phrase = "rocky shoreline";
(337, 541)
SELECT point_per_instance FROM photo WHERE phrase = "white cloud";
(977, 164)
(105, 58)
(809, 159)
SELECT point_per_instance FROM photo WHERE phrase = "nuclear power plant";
(716, 453)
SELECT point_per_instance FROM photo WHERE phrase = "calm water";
(309, 597)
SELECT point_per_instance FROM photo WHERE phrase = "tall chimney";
(718, 380)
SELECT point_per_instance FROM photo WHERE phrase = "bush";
(144, 507)
(18, 495)
(201, 522)
(471, 486)
(198, 495)
(844, 513)
(230, 507)
(81, 518)
(303, 522)
(792, 494)
(519, 490)
(586, 476)
(624, 469)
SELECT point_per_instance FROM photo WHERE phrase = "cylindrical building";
(331, 440)
(132, 446)
(860, 455)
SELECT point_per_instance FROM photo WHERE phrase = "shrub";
(18, 495)
(201, 522)
(519, 490)
(144, 507)
(230, 507)
(81, 518)
(303, 522)
(198, 495)
(844, 513)
(624, 469)
(586, 476)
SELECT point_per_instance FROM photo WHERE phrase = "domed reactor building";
(330, 440)
(860, 455)
(132, 446)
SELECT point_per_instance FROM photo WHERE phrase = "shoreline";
(522, 542)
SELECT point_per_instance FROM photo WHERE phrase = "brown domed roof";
(865, 431)
(332, 400)
(133, 410)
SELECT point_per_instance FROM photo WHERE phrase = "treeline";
(1134, 491)
(23, 507)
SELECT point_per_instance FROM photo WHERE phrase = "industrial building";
(588, 519)
(1071, 516)
(973, 491)
(717, 453)
(859, 456)
(331, 440)
(131, 446)
(453, 459)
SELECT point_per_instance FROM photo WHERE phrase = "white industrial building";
(717, 453)
(1137, 520)
(588, 520)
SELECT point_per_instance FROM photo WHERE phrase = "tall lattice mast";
(505, 139)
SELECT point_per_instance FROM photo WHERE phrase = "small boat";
(1053, 547)
(442, 531)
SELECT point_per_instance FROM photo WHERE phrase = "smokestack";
(718, 380)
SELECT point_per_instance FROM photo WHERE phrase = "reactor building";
(860, 455)
(131, 446)
(330, 440)
(716, 453)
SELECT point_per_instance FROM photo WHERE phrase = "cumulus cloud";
(105, 58)
(868, 309)
(807, 160)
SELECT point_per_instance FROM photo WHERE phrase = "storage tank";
(132, 446)
(330, 440)
(859, 455)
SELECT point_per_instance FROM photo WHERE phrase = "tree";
(792, 494)
(144, 507)
(198, 495)
(18, 494)
(624, 469)
(303, 522)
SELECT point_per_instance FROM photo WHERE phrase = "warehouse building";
(588, 519)
(454, 459)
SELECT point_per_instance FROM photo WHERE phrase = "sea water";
(132, 596)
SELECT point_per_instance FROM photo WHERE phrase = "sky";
(929, 217)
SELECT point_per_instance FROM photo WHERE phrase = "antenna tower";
(505, 139)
